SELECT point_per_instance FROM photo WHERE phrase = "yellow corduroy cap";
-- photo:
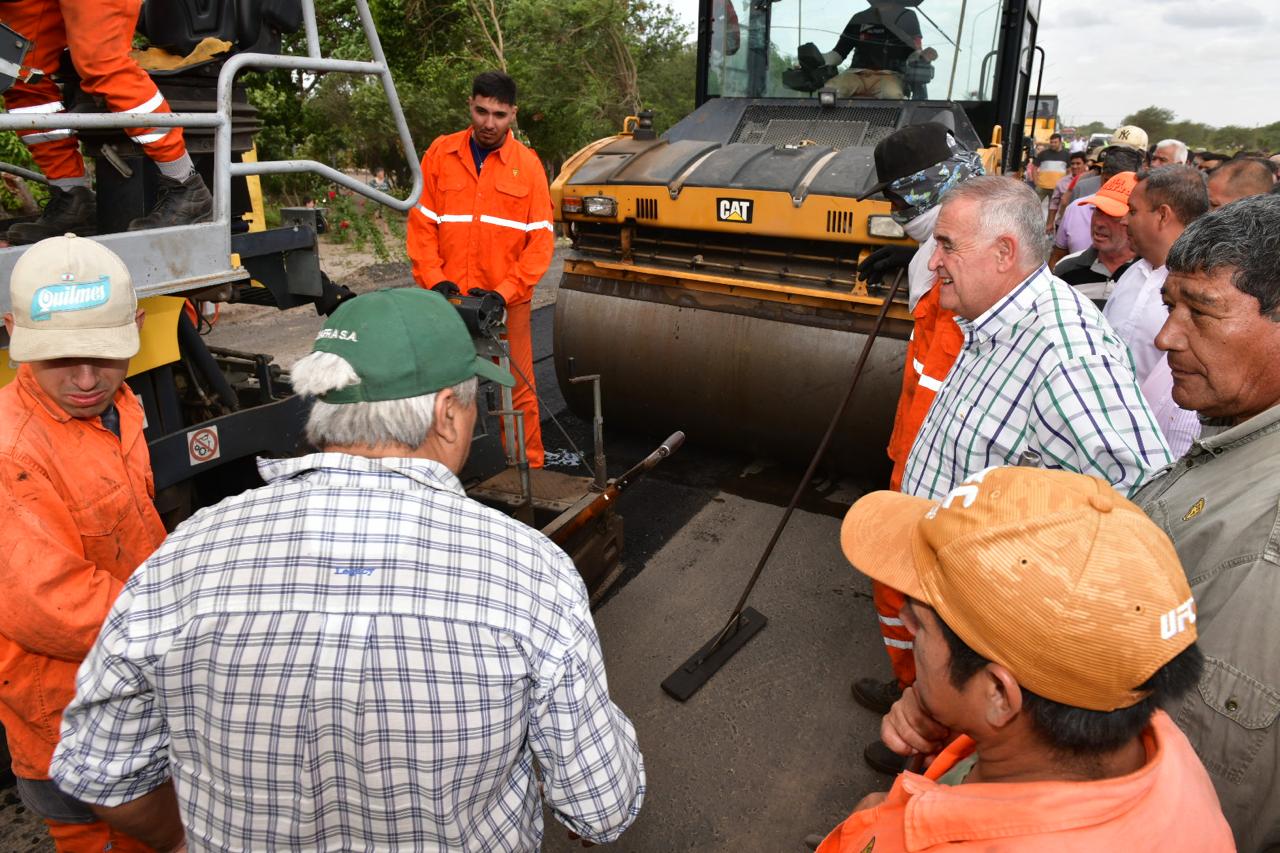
(1051, 574)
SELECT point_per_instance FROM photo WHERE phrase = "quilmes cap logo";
(56, 298)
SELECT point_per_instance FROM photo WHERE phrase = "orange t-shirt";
(1169, 805)
(78, 520)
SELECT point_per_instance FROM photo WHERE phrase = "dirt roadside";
(287, 335)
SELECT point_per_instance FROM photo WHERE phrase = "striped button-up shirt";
(355, 656)
(1040, 370)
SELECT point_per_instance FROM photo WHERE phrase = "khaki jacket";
(1220, 504)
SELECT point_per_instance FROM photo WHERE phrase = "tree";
(581, 71)
(1154, 120)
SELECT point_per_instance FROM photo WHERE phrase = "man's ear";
(1003, 695)
(444, 422)
(137, 318)
(1165, 212)
(8, 323)
(1006, 252)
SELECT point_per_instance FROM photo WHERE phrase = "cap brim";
(866, 194)
(1109, 206)
(488, 370)
(27, 344)
(878, 537)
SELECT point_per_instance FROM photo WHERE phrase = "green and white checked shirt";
(1040, 370)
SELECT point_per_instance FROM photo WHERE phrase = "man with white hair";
(1169, 152)
(1040, 369)
(356, 655)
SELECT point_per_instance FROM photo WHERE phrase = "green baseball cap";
(402, 343)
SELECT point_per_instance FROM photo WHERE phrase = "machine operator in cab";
(483, 227)
(888, 60)
(76, 492)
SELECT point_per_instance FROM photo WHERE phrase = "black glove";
(492, 310)
(447, 289)
(481, 293)
(884, 261)
(331, 296)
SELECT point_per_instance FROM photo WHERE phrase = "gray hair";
(1179, 149)
(1183, 188)
(404, 422)
(1242, 237)
(1006, 206)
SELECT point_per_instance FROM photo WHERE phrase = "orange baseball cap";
(1051, 574)
(1113, 198)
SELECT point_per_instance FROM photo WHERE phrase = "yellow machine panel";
(159, 338)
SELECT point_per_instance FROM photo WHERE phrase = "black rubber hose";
(193, 347)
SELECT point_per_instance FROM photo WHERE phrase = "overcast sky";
(1207, 60)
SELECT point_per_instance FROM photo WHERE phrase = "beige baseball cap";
(72, 297)
(1051, 574)
(1130, 135)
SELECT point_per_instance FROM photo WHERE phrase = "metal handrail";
(224, 169)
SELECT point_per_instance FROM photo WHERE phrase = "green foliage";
(582, 66)
(355, 220)
(14, 152)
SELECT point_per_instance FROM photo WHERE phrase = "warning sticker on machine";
(203, 445)
(734, 209)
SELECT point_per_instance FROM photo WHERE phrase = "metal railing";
(220, 121)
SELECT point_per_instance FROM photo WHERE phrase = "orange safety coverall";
(934, 346)
(1168, 805)
(100, 35)
(79, 519)
(490, 230)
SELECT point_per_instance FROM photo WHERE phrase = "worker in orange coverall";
(915, 167)
(99, 34)
(76, 495)
(483, 226)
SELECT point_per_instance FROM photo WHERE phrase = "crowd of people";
(1118, 325)
(1074, 568)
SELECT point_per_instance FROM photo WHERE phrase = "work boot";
(883, 759)
(877, 695)
(180, 203)
(73, 211)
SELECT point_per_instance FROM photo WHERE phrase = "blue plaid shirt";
(1041, 370)
(355, 656)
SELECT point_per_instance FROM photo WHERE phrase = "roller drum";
(729, 371)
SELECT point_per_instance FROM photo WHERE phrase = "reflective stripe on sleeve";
(47, 136)
(150, 105)
(429, 213)
(888, 620)
(918, 366)
(155, 135)
(899, 644)
(930, 383)
(51, 107)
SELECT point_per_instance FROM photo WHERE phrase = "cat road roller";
(712, 276)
